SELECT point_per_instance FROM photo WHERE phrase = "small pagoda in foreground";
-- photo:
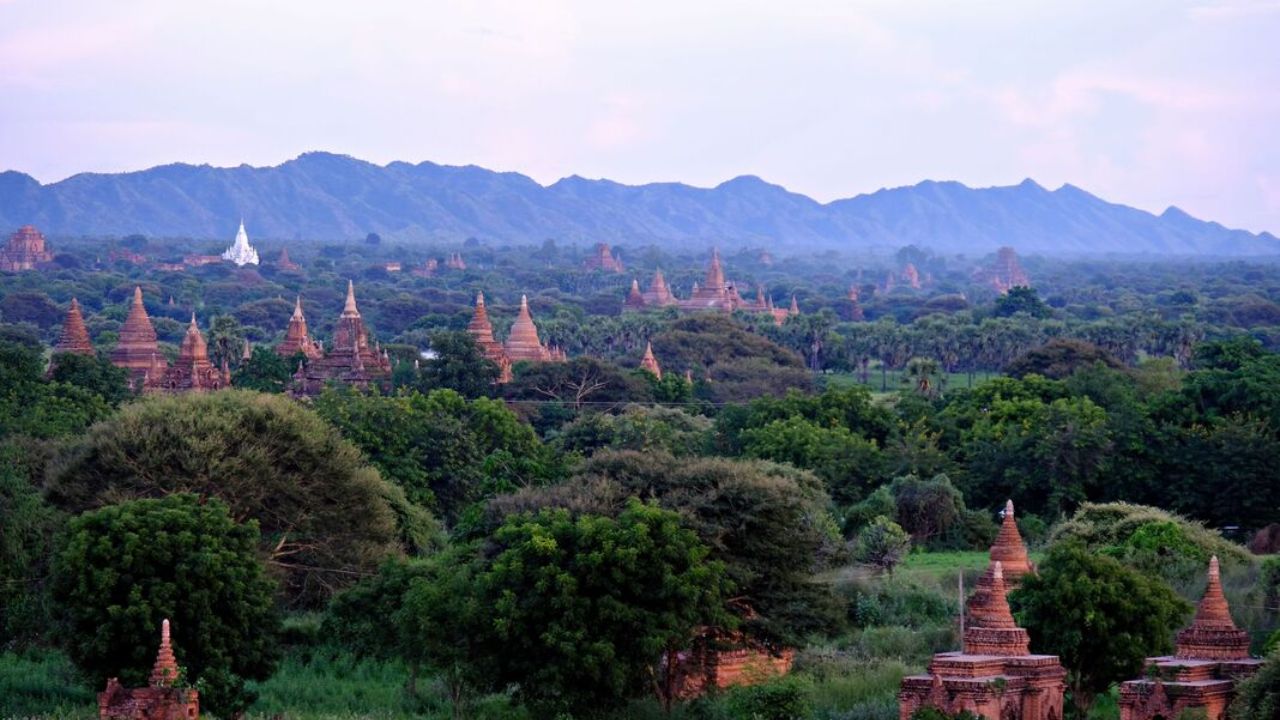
(994, 675)
(160, 700)
(1212, 654)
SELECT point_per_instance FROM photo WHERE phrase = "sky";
(1151, 104)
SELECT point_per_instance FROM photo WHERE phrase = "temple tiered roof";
(284, 264)
(192, 372)
(162, 699)
(603, 259)
(241, 252)
(136, 349)
(1213, 634)
(75, 336)
(351, 360)
(296, 340)
(635, 298)
(522, 342)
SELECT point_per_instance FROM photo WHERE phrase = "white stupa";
(241, 252)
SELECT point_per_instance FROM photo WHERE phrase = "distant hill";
(323, 196)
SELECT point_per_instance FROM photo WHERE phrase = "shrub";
(786, 698)
(882, 544)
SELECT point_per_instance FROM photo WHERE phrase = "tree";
(882, 544)
(1258, 698)
(93, 373)
(444, 622)
(264, 371)
(27, 531)
(583, 609)
(1100, 617)
(124, 568)
(324, 514)
(458, 365)
(30, 405)
(1021, 300)
(850, 465)
(1060, 358)
(226, 341)
(925, 376)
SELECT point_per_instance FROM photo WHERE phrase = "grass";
(43, 685)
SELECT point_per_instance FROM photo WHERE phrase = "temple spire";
(1213, 634)
(297, 309)
(349, 309)
(165, 672)
(75, 336)
(649, 362)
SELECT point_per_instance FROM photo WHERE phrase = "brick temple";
(192, 371)
(522, 344)
(604, 259)
(994, 675)
(160, 700)
(649, 363)
(1211, 655)
(75, 336)
(24, 251)
(296, 340)
(713, 293)
(351, 360)
(136, 349)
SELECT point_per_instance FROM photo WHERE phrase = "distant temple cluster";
(138, 351)
(1005, 274)
(351, 360)
(995, 675)
(604, 259)
(714, 293)
(522, 345)
(24, 251)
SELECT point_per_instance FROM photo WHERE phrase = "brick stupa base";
(160, 700)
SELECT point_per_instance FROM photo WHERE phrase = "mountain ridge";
(327, 196)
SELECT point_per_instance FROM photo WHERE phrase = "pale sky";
(1151, 103)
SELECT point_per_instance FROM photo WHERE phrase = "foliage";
(94, 373)
(124, 568)
(27, 529)
(264, 371)
(445, 451)
(1102, 618)
(1060, 358)
(325, 516)
(31, 405)
(849, 464)
(1100, 526)
(637, 427)
(1021, 300)
(784, 698)
(458, 365)
(882, 544)
(1258, 698)
(582, 608)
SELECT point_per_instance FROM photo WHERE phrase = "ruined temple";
(635, 298)
(1005, 273)
(1211, 655)
(75, 336)
(284, 264)
(649, 362)
(658, 294)
(192, 371)
(994, 675)
(603, 259)
(455, 262)
(855, 310)
(296, 340)
(715, 293)
(136, 349)
(351, 360)
(24, 250)
(162, 699)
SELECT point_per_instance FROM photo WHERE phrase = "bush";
(1103, 525)
(786, 698)
(882, 544)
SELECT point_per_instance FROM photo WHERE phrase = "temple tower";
(658, 293)
(160, 700)
(75, 336)
(635, 298)
(241, 252)
(296, 340)
(522, 342)
(1211, 656)
(192, 372)
(24, 251)
(136, 349)
(351, 360)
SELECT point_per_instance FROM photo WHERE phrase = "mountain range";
(324, 196)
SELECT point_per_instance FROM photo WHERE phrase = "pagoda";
(481, 330)
(296, 339)
(994, 675)
(136, 349)
(1006, 273)
(75, 336)
(284, 264)
(1211, 655)
(428, 268)
(455, 262)
(603, 259)
(241, 252)
(658, 293)
(635, 298)
(162, 699)
(649, 362)
(192, 372)
(522, 342)
(351, 360)
(24, 250)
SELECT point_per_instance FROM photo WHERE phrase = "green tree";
(1102, 618)
(28, 527)
(1258, 698)
(583, 609)
(124, 568)
(458, 365)
(882, 544)
(1060, 358)
(1021, 300)
(324, 514)
(226, 341)
(93, 373)
(445, 621)
(264, 371)
(850, 465)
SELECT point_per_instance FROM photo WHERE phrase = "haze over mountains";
(322, 196)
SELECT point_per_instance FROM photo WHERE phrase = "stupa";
(481, 331)
(649, 362)
(296, 340)
(1211, 655)
(522, 342)
(241, 252)
(160, 700)
(284, 264)
(635, 298)
(659, 294)
(994, 675)
(1005, 273)
(136, 349)
(192, 372)
(1011, 553)
(351, 360)
(24, 251)
(75, 336)
(455, 262)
